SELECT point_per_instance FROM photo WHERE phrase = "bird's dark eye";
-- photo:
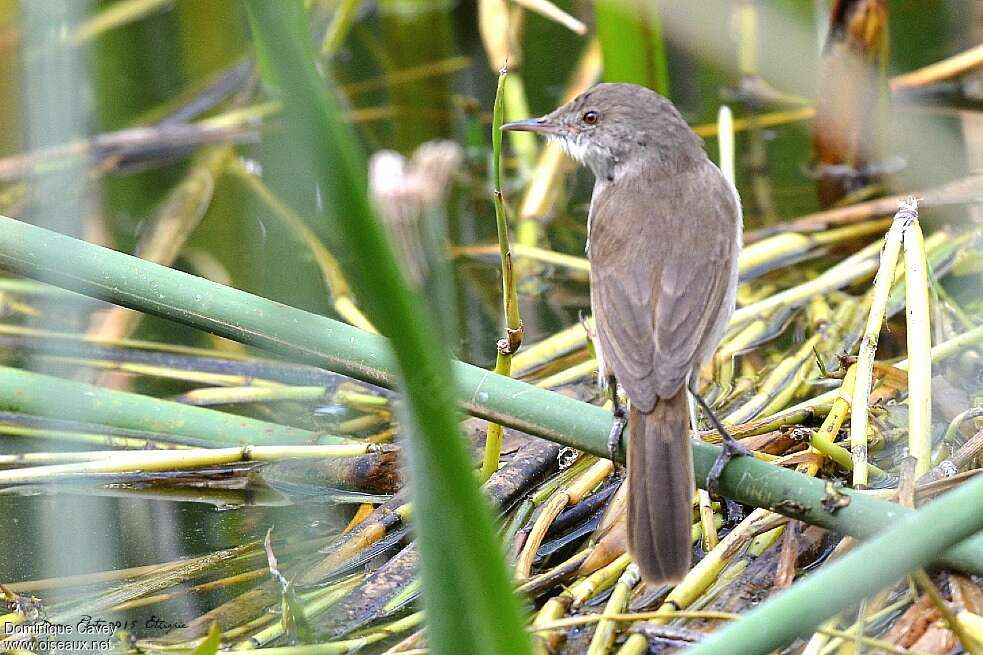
(591, 117)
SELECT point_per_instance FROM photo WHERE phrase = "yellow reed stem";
(919, 348)
(166, 460)
(708, 523)
(749, 334)
(577, 373)
(598, 581)
(521, 250)
(972, 624)
(948, 616)
(208, 396)
(823, 438)
(547, 514)
(765, 540)
(846, 272)
(851, 269)
(940, 70)
(606, 630)
(571, 494)
(494, 436)
(562, 343)
(764, 253)
(546, 642)
(868, 345)
(339, 27)
(706, 570)
(114, 16)
(763, 120)
(636, 644)
(777, 384)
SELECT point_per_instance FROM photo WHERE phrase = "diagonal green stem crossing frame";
(304, 337)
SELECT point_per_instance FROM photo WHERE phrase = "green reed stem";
(510, 297)
(46, 395)
(468, 595)
(911, 543)
(309, 338)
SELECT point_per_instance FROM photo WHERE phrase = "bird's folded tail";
(660, 490)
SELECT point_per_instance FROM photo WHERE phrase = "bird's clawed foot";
(617, 429)
(620, 420)
(731, 448)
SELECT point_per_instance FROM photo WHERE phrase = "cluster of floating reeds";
(542, 518)
(799, 377)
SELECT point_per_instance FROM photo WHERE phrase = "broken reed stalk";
(783, 379)
(567, 341)
(919, 335)
(572, 263)
(868, 345)
(607, 630)
(339, 647)
(780, 249)
(823, 439)
(303, 337)
(854, 267)
(570, 494)
(708, 569)
(91, 437)
(313, 604)
(218, 395)
(510, 298)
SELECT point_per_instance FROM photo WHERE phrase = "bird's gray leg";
(694, 420)
(620, 420)
(731, 447)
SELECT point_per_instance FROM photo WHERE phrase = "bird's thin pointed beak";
(540, 125)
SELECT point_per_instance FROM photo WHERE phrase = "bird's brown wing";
(663, 256)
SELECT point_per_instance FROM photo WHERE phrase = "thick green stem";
(912, 542)
(44, 395)
(471, 606)
(304, 337)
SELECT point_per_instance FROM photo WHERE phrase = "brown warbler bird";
(664, 234)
